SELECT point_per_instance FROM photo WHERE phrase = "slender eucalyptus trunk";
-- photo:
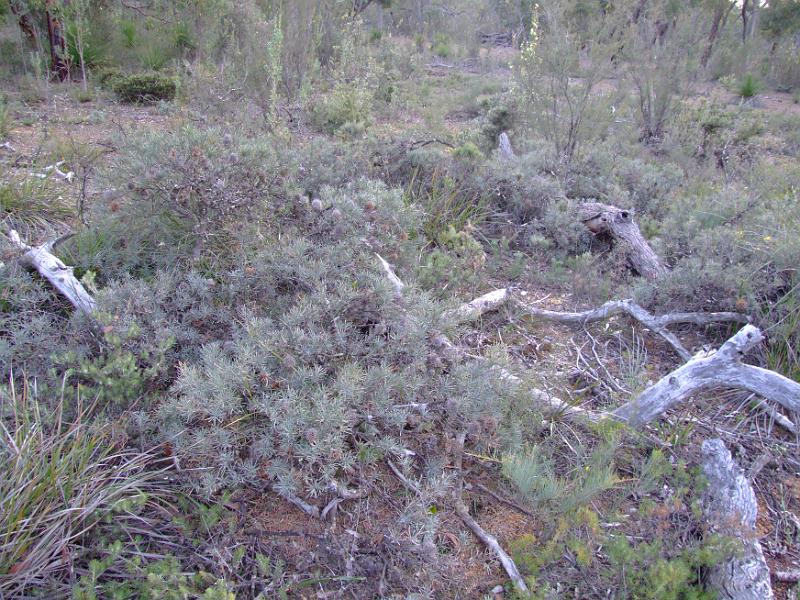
(59, 57)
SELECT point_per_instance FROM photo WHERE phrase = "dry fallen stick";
(56, 272)
(731, 510)
(657, 324)
(307, 508)
(491, 542)
(776, 416)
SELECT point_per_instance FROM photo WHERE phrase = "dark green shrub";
(468, 152)
(106, 78)
(128, 32)
(500, 116)
(144, 87)
(749, 86)
(441, 46)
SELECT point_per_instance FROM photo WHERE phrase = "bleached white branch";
(56, 272)
(390, 274)
(478, 307)
(719, 369)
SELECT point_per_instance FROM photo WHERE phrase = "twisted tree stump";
(619, 225)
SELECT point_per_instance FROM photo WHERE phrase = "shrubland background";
(237, 165)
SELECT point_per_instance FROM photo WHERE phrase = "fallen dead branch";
(657, 324)
(722, 368)
(714, 370)
(478, 307)
(491, 542)
(403, 479)
(56, 272)
(731, 510)
(69, 176)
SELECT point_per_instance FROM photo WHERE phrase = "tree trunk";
(721, 12)
(26, 23)
(59, 57)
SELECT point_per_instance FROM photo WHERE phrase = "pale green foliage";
(533, 472)
(356, 78)
(660, 58)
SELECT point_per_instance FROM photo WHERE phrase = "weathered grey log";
(731, 510)
(56, 272)
(715, 370)
(502, 39)
(619, 224)
(504, 148)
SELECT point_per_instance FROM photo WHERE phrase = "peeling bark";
(59, 57)
(26, 23)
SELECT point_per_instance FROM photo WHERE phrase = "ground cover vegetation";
(279, 210)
